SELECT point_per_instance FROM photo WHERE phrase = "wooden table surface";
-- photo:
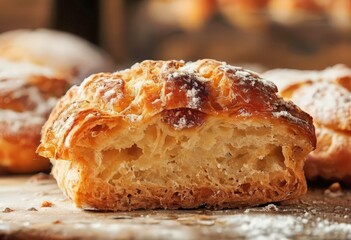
(25, 214)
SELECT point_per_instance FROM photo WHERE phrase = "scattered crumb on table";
(7, 210)
(46, 204)
(32, 209)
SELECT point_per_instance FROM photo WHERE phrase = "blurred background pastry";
(326, 95)
(339, 12)
(302, 34)
(37, 67)
(65, 53)
(189, 15)
(246, 14)
(27, 94)
(295, 11)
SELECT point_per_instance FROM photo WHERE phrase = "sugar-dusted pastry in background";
(188, 15)
(63, 52)
(339, 12)
(36, 68)
(295, 11)
(27, 94)
(169, 134)
(247, 14)
(326, 95)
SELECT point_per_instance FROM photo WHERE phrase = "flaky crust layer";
(207, 86)
(181, 99)
(326, 96)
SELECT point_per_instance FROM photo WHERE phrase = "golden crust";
(326, 96)
(184, 100)
(212, 87)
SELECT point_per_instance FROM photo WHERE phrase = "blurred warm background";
(306, 34)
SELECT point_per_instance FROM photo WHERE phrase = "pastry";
(36, 68)
(188, 15)
(27, 94)
(64, 52)
(326, 96)
(247, 14)
(339, 11)
(295, 11)
(169, 134)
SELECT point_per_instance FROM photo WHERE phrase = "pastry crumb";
(334, 190)
(271, 207)
(335, 187)
(7, 210)
(57, 222)
(38, 177)
(46, 204)
(32, 209)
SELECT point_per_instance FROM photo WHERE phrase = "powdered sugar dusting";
(244, 113)
(323, 94)
(246, 75)
(133, 117)
(286, 114)
(194, 101)
(14, 77)
(325, 102)
(263, 226)
(15, 121)
(182, 123)
(192, 84)
(22, 70)
(287, 77)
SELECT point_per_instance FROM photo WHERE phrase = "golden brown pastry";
(248, 14)
(295, 11)
(189, 15)
(339, 11)
(326, 96)
(169, 134)
(63, 52)
(27, 94)
(36, 68)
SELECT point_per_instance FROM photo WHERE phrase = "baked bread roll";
(63, 52)
(326, 96)
(169, 134)
(27, 95)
